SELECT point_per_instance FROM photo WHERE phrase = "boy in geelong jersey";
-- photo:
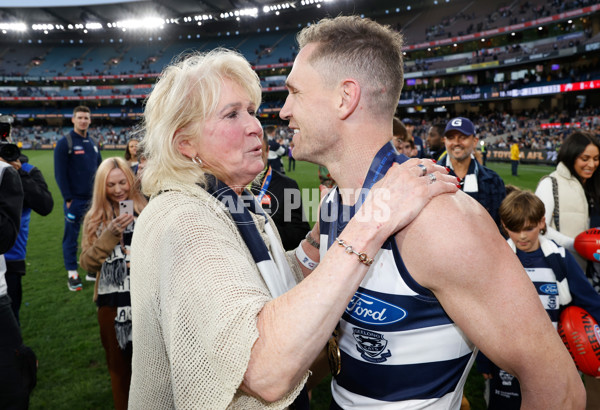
(439, 287)
(555, 273)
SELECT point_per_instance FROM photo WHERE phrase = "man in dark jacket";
(481, 183)
(75, 166)
(39, 199)
(280, 197)
(17, 362)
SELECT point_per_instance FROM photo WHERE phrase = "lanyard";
(265, 185)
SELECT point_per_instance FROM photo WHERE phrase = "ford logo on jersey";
(549, 289)
(373, 311)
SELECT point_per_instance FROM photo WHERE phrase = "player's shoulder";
(454, 216)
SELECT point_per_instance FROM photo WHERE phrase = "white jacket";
(573, 209)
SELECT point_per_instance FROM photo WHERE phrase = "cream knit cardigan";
(195, 295)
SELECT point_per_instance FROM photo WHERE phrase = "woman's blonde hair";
(187, 92)
(101, 211)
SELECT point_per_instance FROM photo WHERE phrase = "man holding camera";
(37, 197)
(76, 159)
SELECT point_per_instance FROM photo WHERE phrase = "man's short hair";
(350, 46)
(81, 108)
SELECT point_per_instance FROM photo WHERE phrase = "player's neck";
(351, 170)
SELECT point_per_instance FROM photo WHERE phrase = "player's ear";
(349, 92)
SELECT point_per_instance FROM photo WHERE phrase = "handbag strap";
(556, 211)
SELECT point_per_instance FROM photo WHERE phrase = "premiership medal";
(333, 354)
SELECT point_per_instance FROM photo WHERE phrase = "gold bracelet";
(362, 257)
(311, 241)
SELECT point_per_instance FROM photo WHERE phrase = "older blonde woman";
(219, 320)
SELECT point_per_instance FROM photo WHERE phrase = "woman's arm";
(93, 255)
(294, 327)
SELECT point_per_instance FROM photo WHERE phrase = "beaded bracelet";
(362, 257)
(311, 241)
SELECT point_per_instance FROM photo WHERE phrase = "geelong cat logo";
(373, 311)
(371, 345)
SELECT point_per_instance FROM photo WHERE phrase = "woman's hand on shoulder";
(118, 225)
(397, 199)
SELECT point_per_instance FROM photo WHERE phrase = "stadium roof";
(73, 12)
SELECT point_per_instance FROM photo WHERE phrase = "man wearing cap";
(481, 183)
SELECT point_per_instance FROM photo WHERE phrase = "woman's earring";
(197, 161)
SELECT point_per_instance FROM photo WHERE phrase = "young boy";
(556, 275)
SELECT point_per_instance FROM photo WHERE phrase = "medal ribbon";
(383, 161)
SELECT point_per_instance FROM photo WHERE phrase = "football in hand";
(581, 335)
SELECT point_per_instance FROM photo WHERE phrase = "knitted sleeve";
(196, 294)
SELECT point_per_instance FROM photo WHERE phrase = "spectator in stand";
(417, 141)
(291, 159)
(484, 152)
(402, 141)
(37, 197)
(276, 150)
(399, 134)
(131, 155)
(514, 155)
(435, 141)
(76, 159)
(481, 183)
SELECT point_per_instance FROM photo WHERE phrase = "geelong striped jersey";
(399, 348)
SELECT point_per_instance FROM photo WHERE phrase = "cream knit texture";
(195, 294)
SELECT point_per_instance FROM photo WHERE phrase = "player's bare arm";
(485, 290)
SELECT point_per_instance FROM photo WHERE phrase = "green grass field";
(61, 325)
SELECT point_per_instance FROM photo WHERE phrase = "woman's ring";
(423, 169)
(432, 178)
(119, 226)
